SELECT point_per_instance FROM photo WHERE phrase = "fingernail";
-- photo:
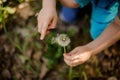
(41, 38)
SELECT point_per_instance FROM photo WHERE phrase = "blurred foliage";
(8, 9)
(20, 38)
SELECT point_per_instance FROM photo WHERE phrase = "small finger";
(71, 58)
(43, 31)
(53, 23)
(39, 27)
(67, 62)
(67, 57)
(39, 23)
(74, 62)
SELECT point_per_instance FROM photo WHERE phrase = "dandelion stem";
(70, 73)
(84, 75)
(6, 32)
(65, 51)
(70, 68)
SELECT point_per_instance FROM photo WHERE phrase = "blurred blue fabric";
(102, 14)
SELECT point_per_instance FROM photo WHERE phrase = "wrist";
(94, 47)
(48, 4)
(88, 49)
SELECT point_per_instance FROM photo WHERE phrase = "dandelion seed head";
(63, 40)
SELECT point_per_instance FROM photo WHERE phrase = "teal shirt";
(103, 13)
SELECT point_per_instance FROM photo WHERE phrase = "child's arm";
(109, 36)
(81, 54)
(47, 17)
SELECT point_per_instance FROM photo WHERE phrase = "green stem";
(84, 75)
(7, 34)
(70, 68)
(70, 73)
(65, 50)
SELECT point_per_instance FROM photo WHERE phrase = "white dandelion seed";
(62, 40)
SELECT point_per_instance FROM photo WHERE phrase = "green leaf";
(23, 58)
(59, 53)
(10, 10)
(71, 32)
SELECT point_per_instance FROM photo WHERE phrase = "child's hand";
(47, 19)
(77, 56)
